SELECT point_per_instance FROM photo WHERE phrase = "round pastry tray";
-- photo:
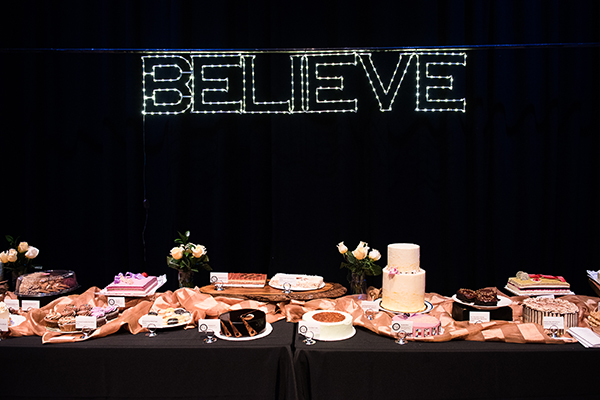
(266, 332)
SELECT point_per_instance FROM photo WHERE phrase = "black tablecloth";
(369, 366)
(175, 364)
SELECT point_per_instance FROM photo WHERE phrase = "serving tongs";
(245, 318)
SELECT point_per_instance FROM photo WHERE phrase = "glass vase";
(186, 279)
(358, 283)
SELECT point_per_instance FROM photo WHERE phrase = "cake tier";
(244, 322)
(423, 325)
(404, 257)
(404, 292)
(333, 325)
(133, 285)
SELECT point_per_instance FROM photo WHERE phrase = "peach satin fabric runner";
(204, 306)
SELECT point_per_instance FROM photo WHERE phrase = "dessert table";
(370, 366)
(174, 364)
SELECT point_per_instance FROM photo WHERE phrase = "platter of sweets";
(170, 317)
(63, 318)
(482, 299)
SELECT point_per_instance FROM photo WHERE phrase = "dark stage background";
(512, 184)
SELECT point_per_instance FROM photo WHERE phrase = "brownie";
(466, 295)
(486, 297)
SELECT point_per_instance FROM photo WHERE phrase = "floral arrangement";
(19, 257)
(188, 256)
(360, 261)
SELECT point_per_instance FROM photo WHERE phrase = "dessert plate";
(502, 302)
(428, 307)
(266, 332)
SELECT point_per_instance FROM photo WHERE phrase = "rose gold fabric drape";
(204, 306)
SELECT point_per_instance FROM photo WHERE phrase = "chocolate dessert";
(486, 297)
(466, 295)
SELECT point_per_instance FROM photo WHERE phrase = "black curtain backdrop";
(512, 184)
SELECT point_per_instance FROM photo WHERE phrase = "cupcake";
(51, 319)
(66, 324)
(111, 312)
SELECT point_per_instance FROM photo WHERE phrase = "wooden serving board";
(269, 294)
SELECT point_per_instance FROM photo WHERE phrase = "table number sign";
(27, 305)
(286, 278)
(553, 323)
(12, 303)
(222, 277)
(205, 325)
(479, 317)
(309, 326)
(85, 322)
(116, 302)
(4, 324)
(369, 305)
(402, 326)
(150, 320)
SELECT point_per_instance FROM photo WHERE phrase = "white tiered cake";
(403, 279)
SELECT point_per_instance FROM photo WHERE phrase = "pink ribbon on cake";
(539, 276)
(127, 278)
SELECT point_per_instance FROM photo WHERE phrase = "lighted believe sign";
(309, 81)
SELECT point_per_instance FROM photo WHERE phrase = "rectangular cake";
(134, 285)
(532, 285)
(238, 279)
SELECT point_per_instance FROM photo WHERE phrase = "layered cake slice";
(237, 279)
(532, 285)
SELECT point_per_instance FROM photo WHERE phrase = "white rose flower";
(374, 255)
(12, 255)
(198, 251)
(32, 252)
(23, 246)
(342, 248)
(361, 251)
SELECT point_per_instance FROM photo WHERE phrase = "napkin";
(585, 336)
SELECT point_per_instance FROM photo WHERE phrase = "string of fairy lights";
(197, 85)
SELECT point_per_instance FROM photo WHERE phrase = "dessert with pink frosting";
(423, 325)
(132, 283)
(536, 308)
(403, 286)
